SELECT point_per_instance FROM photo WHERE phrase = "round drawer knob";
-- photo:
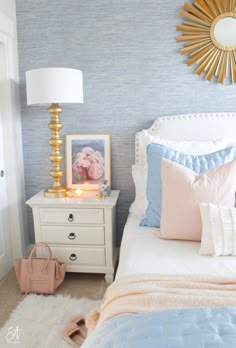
(72, 236)
(71, 217)
(73, 257)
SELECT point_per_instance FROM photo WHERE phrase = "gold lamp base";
(56, 190)
(54, 193)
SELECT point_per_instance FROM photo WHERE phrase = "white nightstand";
(80, 231)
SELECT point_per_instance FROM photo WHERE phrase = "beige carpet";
(77, 285)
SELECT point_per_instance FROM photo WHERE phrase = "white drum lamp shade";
(54, 85)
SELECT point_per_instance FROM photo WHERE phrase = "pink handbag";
(39, 275)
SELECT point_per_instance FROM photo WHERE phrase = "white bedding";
(143, 252)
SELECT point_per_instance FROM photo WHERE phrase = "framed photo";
(88, 160)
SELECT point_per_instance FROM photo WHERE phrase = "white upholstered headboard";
(191, 127)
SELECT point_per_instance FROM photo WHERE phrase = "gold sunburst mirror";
(209, 33)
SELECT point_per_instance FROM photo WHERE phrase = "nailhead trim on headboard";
(157, 124)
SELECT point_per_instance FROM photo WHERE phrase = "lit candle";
(78, 192)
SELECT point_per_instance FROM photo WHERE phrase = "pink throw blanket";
(152, 293)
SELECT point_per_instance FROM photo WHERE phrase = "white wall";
(8, 8)
(13, 141)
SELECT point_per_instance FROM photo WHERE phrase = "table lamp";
(53, 86)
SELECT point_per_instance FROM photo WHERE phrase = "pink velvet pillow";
(183, 191)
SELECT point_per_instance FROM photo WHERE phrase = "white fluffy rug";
(38, 321)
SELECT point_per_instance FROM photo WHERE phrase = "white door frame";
(5, 238)
(13, 144)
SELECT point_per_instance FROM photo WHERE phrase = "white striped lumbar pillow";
(218, 230)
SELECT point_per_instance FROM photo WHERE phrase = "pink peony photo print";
(88, 160)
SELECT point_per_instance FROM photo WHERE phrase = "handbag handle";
(42, 244)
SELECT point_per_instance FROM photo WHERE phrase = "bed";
(142, 252)
(179, 297)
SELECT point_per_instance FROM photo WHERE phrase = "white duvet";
(143, 252)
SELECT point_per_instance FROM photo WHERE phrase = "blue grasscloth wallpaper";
(133, 73)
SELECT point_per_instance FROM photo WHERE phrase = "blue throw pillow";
(199, 164)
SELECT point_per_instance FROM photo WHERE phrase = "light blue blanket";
(191, 328)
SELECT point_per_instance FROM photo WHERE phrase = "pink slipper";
(77, 319)
(71, 330)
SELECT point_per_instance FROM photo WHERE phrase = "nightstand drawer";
(80, 256)
(71, 216)
(73, 235)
